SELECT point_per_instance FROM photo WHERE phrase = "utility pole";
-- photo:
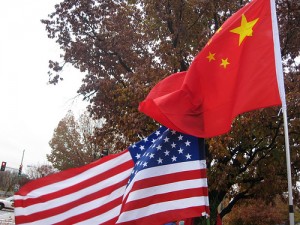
(21, 165)
(22, 157)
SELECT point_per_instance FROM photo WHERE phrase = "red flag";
(159, 179)
(219, 220)
(234, 73)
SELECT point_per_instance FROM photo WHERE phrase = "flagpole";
(279, 73)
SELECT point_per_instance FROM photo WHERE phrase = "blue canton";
(164, 147)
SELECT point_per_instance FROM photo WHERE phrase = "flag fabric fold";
(234, 73)
(159, 179)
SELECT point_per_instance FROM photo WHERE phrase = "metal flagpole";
(279, 73)
(288, 164)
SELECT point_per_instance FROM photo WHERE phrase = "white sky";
(30, 109)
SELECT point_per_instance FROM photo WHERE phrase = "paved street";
(7, 217)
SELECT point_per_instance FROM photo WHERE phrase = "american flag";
(159, 179)
(168, 181)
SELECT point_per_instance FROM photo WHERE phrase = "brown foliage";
(73, 143)
(258, 212)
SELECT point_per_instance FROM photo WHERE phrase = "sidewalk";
(7, 219)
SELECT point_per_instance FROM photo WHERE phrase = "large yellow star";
(245, 29)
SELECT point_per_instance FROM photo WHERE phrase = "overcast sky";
(30, 108)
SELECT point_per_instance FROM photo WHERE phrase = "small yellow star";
(224, 63)
(211, 56)
(245, 29)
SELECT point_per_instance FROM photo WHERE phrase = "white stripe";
(78, 178)
(163, 207)
(166, 188)
(75, 196)
(166, 169)
(82, 209)
(99, 219)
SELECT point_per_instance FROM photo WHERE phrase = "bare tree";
(40, 170)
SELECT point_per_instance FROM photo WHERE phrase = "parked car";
(7, 203)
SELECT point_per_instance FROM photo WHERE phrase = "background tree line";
(125, 47)
(11, 180)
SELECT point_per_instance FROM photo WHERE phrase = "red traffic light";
(3, 165)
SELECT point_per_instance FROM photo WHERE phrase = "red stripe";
(170, 196)
(166, 179)
(165, 217)
(92, 213)
(54, 178)
(69, 190)
(61, 209)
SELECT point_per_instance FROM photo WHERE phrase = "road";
(7, 217)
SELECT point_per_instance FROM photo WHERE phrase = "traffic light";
(3, 165)
(20, 170)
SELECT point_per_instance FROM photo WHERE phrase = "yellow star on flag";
(211, 56)
(245, 29)
(224, 63)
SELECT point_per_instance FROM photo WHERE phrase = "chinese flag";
(234, 73)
